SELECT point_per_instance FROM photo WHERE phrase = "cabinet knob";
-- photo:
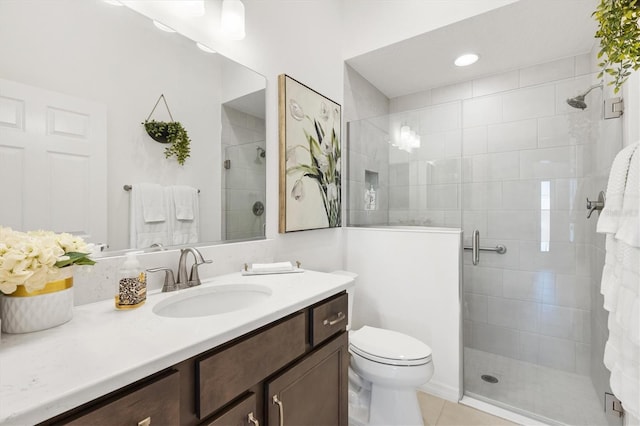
(145, 422)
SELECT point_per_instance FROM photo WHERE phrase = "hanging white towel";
(185, 199)
(143, 233)
(153, 205)
(610, 215)
(183, 231)
(620, 220)
(629, 228)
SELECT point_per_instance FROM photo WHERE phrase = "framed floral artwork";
(310, 155)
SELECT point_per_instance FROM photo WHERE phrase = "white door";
(53, 162)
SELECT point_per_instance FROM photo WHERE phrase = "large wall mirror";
(77, 79)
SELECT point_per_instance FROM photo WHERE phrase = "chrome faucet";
(194, 278)
(183, 281)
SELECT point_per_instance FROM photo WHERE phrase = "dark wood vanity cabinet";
(290, 372)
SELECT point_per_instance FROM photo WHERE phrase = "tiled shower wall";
(244, 182)
(521, 181)
(367, 150)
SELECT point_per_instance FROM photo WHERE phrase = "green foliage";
(75, 258)
(619, 36)
(176, 136)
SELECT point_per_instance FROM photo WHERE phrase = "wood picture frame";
(310, 127)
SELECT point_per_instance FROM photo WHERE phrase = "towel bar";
(130, 187)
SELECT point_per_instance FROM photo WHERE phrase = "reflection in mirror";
(76, 82)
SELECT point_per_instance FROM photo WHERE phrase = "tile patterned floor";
(438, 412)
(554, 396)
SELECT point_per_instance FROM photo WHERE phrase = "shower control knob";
(258, 208)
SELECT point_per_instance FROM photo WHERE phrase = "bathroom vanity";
(282, 361)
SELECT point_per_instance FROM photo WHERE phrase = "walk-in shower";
(514, 164)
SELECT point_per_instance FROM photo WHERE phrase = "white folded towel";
(185, 198)
(143, 233)
(272, 267)
(153, 205)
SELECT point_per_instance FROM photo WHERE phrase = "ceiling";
(521, 34)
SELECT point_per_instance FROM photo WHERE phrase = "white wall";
(380, 23)
(408, 280)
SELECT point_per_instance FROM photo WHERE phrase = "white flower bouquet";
(34, 258)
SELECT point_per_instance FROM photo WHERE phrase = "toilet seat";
(388, 347)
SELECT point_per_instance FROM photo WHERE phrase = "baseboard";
(441, 390)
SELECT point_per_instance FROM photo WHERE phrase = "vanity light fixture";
(204, 47)
(232, 19)
(163, 27)
(408, 139)
(466, 59)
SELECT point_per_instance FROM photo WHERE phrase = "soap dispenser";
(372, 198)
(131, 290)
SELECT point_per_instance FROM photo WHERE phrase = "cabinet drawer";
(223, 376)
(329, 318)
(157, 402)
(238, 415)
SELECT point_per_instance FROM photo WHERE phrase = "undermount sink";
(215, 300)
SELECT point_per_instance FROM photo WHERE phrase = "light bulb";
(466, 59)
(204, 47)
(163, 27)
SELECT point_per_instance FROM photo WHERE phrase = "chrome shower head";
(578, 101)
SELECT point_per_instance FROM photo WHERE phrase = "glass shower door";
(527, 169)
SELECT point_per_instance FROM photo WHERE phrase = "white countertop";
(102, 349)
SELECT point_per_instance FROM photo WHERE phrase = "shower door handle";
(475, 247)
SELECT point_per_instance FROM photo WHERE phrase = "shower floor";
(551, 396)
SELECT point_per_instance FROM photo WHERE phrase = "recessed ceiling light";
(163, 27)
(466, 59)
(205, 48)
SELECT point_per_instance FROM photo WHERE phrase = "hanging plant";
(173, 133)
(170, 132)
(619, 36)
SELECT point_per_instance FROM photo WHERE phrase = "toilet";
(385, 369)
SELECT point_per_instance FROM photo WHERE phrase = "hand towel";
(183, 231)
(272, 267)
(185, 198)
(142, 233)
(153, 206)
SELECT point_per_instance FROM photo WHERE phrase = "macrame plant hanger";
(161, 139)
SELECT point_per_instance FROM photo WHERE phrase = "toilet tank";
(351, 292)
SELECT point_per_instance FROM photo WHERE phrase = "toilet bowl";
(385, 369)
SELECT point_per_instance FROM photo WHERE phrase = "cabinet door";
(155, 403)
(242, 413)
(313, 391)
